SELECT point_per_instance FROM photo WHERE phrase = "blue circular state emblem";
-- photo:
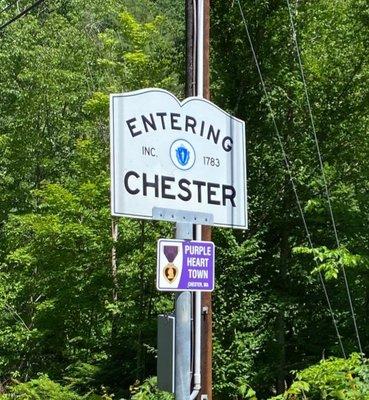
(182, 154)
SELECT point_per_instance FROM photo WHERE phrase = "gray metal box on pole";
(166, 352)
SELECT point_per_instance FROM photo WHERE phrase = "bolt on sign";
(187, 156)
(185, 265)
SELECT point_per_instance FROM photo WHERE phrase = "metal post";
(197, 334)
(183, 331)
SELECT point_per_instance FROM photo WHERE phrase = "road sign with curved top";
(188, 156)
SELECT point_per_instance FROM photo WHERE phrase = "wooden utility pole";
(207, 332)
(191, 90)
(207, 49)
(190, 41)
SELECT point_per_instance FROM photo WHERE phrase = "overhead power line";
(6, 8)
(327, 193)
(21, 14)
(289, 171)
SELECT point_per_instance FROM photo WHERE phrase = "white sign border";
(181, 104)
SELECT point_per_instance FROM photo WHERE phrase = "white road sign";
(187, 156)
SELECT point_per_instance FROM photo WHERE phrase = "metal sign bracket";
(167, 214)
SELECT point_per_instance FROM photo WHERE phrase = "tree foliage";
(72, 324)
(335, 378)
(286, 312)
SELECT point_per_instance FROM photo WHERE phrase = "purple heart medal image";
(185, 265)
(170, 271)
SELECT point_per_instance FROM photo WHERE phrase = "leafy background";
(73, 325)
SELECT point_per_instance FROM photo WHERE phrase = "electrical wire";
(327, 193)
(21, 14)
(289, 171)
(9, 6)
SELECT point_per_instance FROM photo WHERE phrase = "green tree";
(286, 300)
(334, 378)
(66, 313)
